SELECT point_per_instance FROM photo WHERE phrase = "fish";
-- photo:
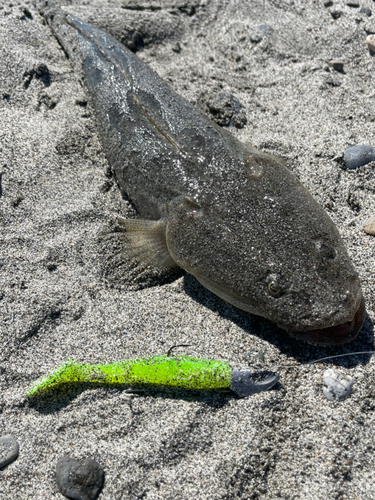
(234, 217)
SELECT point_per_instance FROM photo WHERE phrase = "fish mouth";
(330, 336)
(338, 334)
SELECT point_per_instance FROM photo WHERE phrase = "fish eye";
(325, 250)
(274, 287)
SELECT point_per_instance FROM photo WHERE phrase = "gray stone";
(357, 156)
(366, 11)
(8, 450)
(79, 479)
(254, 356)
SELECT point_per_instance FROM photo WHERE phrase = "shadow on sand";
(302, 352)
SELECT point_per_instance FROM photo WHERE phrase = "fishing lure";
(166, 371)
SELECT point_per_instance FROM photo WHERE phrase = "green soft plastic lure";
(165, 371)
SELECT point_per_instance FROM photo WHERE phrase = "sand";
(56, 197)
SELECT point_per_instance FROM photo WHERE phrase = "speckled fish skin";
(234, 217)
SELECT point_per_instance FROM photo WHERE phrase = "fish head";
(263, 243)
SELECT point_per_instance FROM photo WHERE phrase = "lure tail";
(182, 371)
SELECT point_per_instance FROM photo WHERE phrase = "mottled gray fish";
(234, 217)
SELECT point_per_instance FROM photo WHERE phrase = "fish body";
(234, 217)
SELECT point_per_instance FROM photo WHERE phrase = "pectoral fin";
(145, 242)
(135, 253)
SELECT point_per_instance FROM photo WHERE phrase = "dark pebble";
(366, 11)
(336, 14)
(176, 48)
(8, 450)
(353, 4)
(2, 263)
(226, 110)
(337, 65)
(356, 156)
(328, 3)
(79, 479)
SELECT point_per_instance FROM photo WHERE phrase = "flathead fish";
(234, 217)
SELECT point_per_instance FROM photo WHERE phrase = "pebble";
(255, 37)
(366, 11)
(370, 40)
(356, 156)
(176, 48)
(79, 479)
(226, 110)
(9, 450)
(369, 226)
(336, 385)
(254, 356)
(336, 14)
(337, 65)
(265, 28)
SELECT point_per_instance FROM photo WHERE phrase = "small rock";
(336, 14)
(337, 65)
(328, 3)
(265, 28)
(366, 11)
(254, 356)
(176, 48)
(9, 450)
(259, 32)
(353, 4)
(336, 385)
(255, 37)
(79, 479)
(370, 40)
(369, 226)
(226, 109)
(357, 156)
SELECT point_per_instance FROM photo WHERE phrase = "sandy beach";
(266, 70)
